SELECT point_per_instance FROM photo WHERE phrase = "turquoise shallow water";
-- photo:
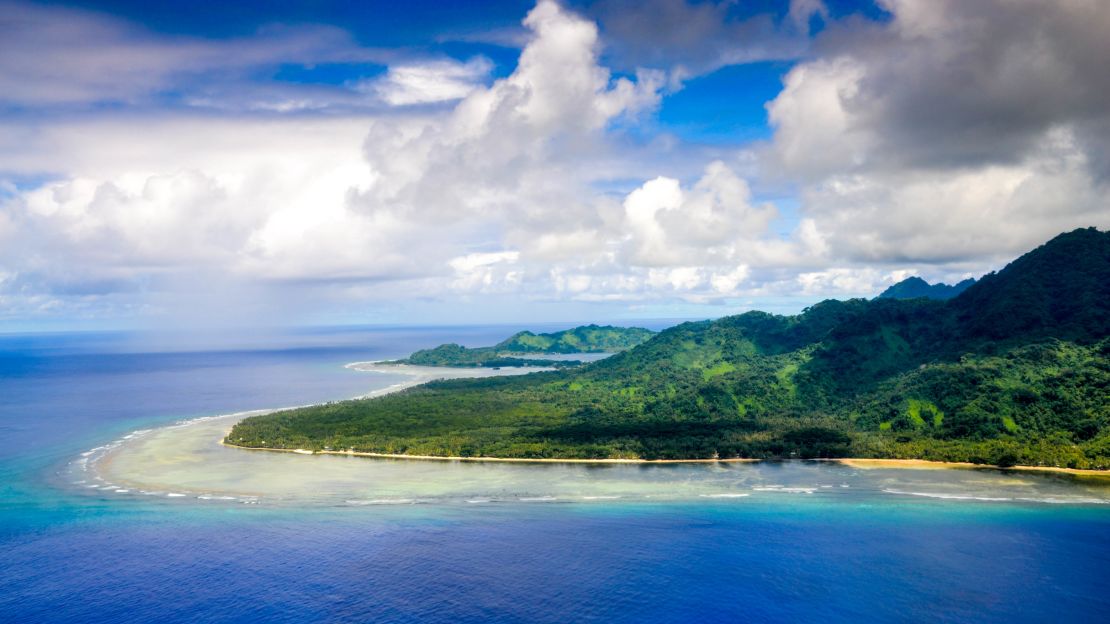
(667, 550)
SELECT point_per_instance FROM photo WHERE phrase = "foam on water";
(785, 490)
(1074, 500)
(951, 496)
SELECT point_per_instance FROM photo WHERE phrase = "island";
(1014, 370)
(521, 348)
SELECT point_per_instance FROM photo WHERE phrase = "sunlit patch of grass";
(718, 369)
(919, 409)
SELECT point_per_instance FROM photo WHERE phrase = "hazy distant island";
(1015, 369)
(521, 348)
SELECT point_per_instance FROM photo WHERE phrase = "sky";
(176, 165)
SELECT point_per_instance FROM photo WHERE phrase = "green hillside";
(584, 339)
(509, 352)
(1014, 370)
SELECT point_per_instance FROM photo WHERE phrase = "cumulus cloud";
(956, 132)
(261, 200)
(517, 148)
(310, 200)
(950, 84)
(535, 186)
(711, 221)
(840, 281)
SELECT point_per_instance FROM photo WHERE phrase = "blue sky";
(334, 162)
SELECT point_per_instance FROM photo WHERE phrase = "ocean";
(293, 538)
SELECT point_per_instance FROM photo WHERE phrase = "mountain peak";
(1061, 288)
(914, 287)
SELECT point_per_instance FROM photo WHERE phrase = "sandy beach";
(922, 464)
(854, 462)
(522, 460)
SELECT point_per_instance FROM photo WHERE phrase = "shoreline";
(926, 464)
(521, 460)
(862, 463)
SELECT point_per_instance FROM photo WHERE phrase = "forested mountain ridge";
(582, 339)
(1016, 369)
(1061, 290)
(514, 351)
(915, 287)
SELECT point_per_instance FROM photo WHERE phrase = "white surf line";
(1062, 500)
(950, 496)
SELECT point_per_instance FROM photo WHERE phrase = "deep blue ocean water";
(72, 557)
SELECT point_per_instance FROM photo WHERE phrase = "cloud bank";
(941, 141)
(957, 131)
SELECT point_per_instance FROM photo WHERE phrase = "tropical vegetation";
(521, 348)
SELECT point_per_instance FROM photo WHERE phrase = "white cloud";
(522, 152)
(956, 134)
(641, 207)
(310, 200)
(677, 278)
(429, 82)
(481, 272)
(814, 130)
(726, 283)
(470, 262)
(62, 56)
(712, 222)
(528, 187)
(982, 212)
(841, 281)
(262, 200)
